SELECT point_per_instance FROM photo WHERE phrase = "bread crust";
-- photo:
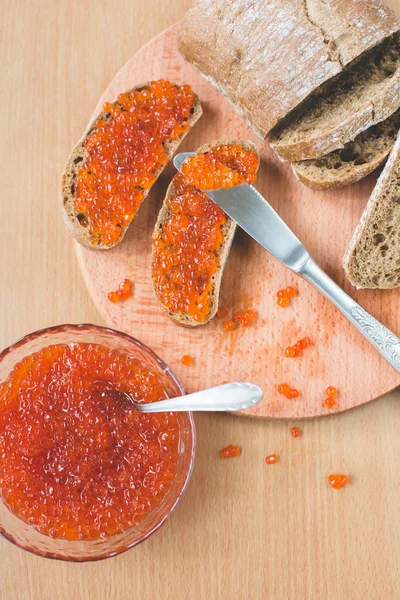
(267, 56)
(78, 157)
(372, 259)
(228, 233)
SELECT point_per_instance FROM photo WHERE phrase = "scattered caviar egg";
(338, 481)
(123, 293)
(271, 459)
(230, 451)
(283, 302)
(295, 431)
(330, 402)
(186, 249)
(222, 312)
(77, 460)
(331, 391)
(229, 325)
(296, 350)
(245, 317)
(124, 153)
(113, 297)
(283, 296)
(187, 360)
(287, 391)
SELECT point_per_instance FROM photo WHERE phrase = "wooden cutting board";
(324, 222)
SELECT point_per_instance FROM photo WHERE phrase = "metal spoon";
(225, 397)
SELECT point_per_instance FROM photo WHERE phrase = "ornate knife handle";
(387, 344)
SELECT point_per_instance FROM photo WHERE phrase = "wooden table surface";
(244, 530)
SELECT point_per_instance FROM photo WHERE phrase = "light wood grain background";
(244, 530)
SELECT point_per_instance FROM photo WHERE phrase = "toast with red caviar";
(120, 156)
(193, 236)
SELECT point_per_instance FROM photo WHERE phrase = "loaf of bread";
(193, 236)
(372, 259)
(103, 187)
(270, 55)
(353, 162)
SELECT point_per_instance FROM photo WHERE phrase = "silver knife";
(245, 205)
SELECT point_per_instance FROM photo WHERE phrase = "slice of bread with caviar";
(353, 162)
(372, 259)
(120, 156)
(193, 236)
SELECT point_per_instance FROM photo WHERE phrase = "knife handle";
(385, 342)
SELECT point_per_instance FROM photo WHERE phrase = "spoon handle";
(229, 396)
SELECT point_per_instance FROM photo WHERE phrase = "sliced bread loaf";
(193, 236)
(126, 157)
(353, 162)
(365, 93)
(268, 56)
(372, 259)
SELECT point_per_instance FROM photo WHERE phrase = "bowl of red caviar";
(83, 474)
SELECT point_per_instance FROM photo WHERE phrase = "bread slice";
(372, 259)
(228, 232)
(365, 93)
(267, 56)
(77, 224)
(356, 160)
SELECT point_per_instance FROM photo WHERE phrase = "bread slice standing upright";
(103, 187)
(372, 259)
(193, 236)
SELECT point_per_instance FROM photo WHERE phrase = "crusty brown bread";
(76, 223)
(365, 93)
(353, 162)
(372, 259)
(228, 232)
(268, 56)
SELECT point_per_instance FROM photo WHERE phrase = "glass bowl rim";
(99, 328)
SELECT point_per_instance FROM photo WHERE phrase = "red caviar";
(331, 393)
(229, 451)
(187, 360)
(185, 251)
(283, 296)
(222, 312)
(124, 154)
(295, 431)
(245, 317)
(123, 293)
(296, 350)
(229, 325)
(338, 481)
(330, 402)
(77, 460)
(271, 459)
(287, 391)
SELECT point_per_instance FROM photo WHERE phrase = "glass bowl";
(25, 536)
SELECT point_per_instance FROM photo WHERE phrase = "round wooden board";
(324, 221)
